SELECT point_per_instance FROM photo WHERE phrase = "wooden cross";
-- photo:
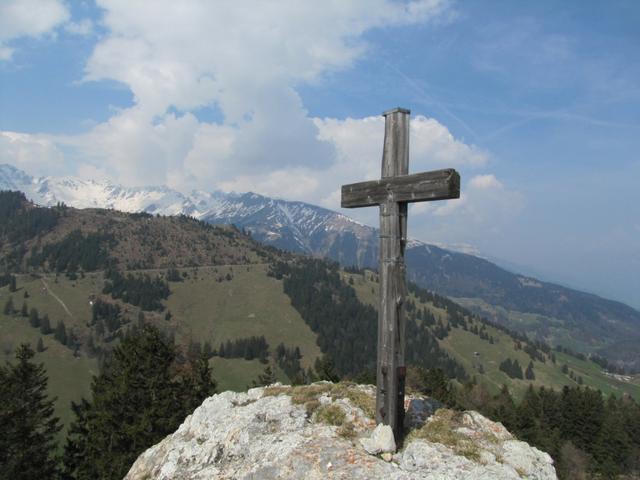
(393, 193)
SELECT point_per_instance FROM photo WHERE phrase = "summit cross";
(392, 193)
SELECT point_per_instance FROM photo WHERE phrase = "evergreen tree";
(504, 408)
(60, 333)
(24, 311)
(325, 369)
(137, 400)
(436, 385)
(528, 416)
(45, 325)
(29, 427)
(528, 374)
(612, 445)
(8, 307)
(207, 349)
(266, 378)
(40, 345)
(34, 320)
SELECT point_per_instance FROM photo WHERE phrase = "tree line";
(247, 348)
(139, 290)
(588, 435)
(346, 328)
(75, 251)
(142, 393)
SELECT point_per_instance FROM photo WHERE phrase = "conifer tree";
(34, 319)
(504, 408)
(266, 378)
(325, 369)
(40, 345)
(528, 374)
(24, 311)
(436, 385)
(612, 445)
(60, 333)
(528, 416)
(207, 349)
(29, 427)
(8, 307)
(45, 325)
(137, 400)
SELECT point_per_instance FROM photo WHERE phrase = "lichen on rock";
(316, 432)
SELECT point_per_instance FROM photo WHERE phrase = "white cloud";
(83, 27)
(33, 153)
(482, 182)
(246, 62)
(28, 18)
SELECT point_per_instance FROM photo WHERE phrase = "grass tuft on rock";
(331, 414)
(441, 428)
(308, 394)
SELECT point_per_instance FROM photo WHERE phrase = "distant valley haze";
(536, 104)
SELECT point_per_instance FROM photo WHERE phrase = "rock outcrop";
(318, 432)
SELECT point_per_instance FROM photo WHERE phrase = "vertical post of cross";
(393, 236)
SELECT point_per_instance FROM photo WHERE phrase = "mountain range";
(559, 315)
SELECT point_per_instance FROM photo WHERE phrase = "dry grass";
(441, 428)
(308, 394)
(330, 414)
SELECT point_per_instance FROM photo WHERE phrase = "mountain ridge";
(545, 310)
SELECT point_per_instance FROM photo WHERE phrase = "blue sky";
(537, 104)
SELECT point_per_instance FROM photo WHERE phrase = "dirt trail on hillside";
(56, 297)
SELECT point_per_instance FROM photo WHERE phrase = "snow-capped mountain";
(309, 229)
(295, 226)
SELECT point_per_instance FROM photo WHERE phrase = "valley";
(544, 311)
(209, 288)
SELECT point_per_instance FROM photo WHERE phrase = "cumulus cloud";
(246, 62)
(28, 18)
(482, 182)
(32, 153)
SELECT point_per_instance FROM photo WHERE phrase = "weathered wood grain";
(418, 187)
(391, 319)
(393, 192)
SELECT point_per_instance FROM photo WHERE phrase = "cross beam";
(419, 187)
(393, 193)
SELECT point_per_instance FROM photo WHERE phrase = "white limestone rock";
(381, 441)
(273, 433)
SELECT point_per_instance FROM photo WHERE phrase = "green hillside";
(69, 376)
(481, 358)
(211, 286)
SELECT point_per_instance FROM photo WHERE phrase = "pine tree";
(528, 374)
(325, 369)
(29, 427)
(60, 333)
(8, 307)
(612, 445)
(34, 320)
(266, 378)
(207, 349)
(45, 325)
(24, 311)
(504, 408)
(137, 401)
(528, 417)
(435, 384)
(40, 345)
